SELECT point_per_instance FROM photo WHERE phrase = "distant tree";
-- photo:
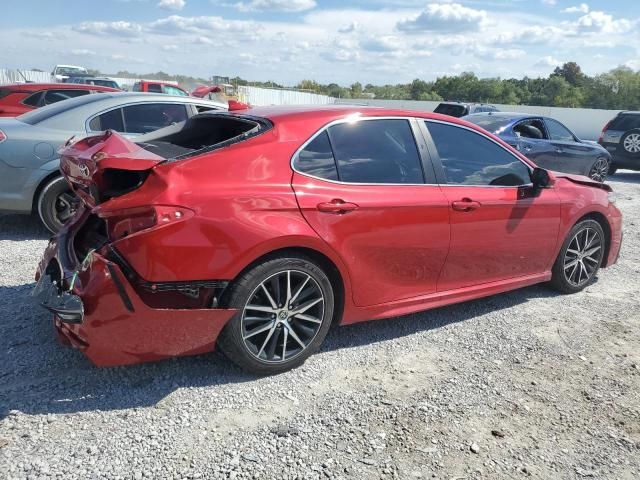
(571, 72)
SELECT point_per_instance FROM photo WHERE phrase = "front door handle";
(465, 205)
(559, 150)
(337, 206)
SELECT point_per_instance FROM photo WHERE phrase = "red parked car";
(254, 231)
(158, 86)
(20, 98)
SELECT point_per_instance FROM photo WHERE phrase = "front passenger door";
(501, 228)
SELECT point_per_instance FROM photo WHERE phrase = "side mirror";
(541, 178)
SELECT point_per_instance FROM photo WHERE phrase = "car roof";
(306, 119)
(36, 87)
(505, 115)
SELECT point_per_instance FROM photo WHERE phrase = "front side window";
(154, 88)
(376, 151)
(316, 159)
(145, 118)
(53, 96)
(559, 132)
(469, 158)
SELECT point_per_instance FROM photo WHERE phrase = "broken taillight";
(123, 223)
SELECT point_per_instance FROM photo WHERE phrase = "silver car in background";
(30, 179)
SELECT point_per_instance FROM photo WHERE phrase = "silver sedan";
(30, 180)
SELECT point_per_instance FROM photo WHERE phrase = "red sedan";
(254, 231)
(20, 98)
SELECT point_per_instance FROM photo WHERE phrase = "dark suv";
(458, 109)
(621, 137)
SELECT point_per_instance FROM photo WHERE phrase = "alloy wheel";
(583, 256)
(600, 170)
(632, 143)
(282, 316)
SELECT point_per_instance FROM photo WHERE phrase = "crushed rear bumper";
(97, 311)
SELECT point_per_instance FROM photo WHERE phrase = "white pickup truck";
(62, 72)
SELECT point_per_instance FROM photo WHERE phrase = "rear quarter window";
(625, 122)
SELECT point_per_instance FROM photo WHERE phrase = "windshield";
(452, 110)
(70, 70)
(490, 123)
(41, 114)
(105, 83)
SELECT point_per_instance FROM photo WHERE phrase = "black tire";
(612, 169)
(600, 169)
(234, 340)
(626, 151)
(50, 208)
(565, 282)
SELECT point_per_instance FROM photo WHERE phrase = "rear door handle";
(337, 206)
(465, 205)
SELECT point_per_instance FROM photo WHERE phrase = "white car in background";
(61, 73)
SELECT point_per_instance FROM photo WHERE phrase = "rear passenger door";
(367, 189)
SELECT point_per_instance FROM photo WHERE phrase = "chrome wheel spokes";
(632, 143)
(600, 170)
(282, 316)
(582, 257)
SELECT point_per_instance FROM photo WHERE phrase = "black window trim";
(433, 151)
(428, 170)
(121, 107)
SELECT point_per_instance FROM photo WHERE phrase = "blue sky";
(371, 41)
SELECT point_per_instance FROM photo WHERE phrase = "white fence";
(586, 123)
(22, 76)
(271, 96)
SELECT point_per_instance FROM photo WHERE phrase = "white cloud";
(276, 5)
(445, 17)
(548, 61)
(119, 29)
(170, 48)
(83, 52)
(382, 44)
(172, 4)
(352, 27)
(499, 53)
(600, 22)
(549, 2)
(582, 8)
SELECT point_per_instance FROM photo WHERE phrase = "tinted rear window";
(625, 122)
(41, 114)
(452, 110)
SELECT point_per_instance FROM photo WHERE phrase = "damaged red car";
(254, 231)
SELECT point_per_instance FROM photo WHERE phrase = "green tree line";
(566, 86)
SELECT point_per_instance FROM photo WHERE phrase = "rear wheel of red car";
(56, 203)
(285, 307)
(580, 257)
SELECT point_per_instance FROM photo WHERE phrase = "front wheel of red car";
(285, 307)
(580, 257)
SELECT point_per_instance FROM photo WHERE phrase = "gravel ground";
(525, 384)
